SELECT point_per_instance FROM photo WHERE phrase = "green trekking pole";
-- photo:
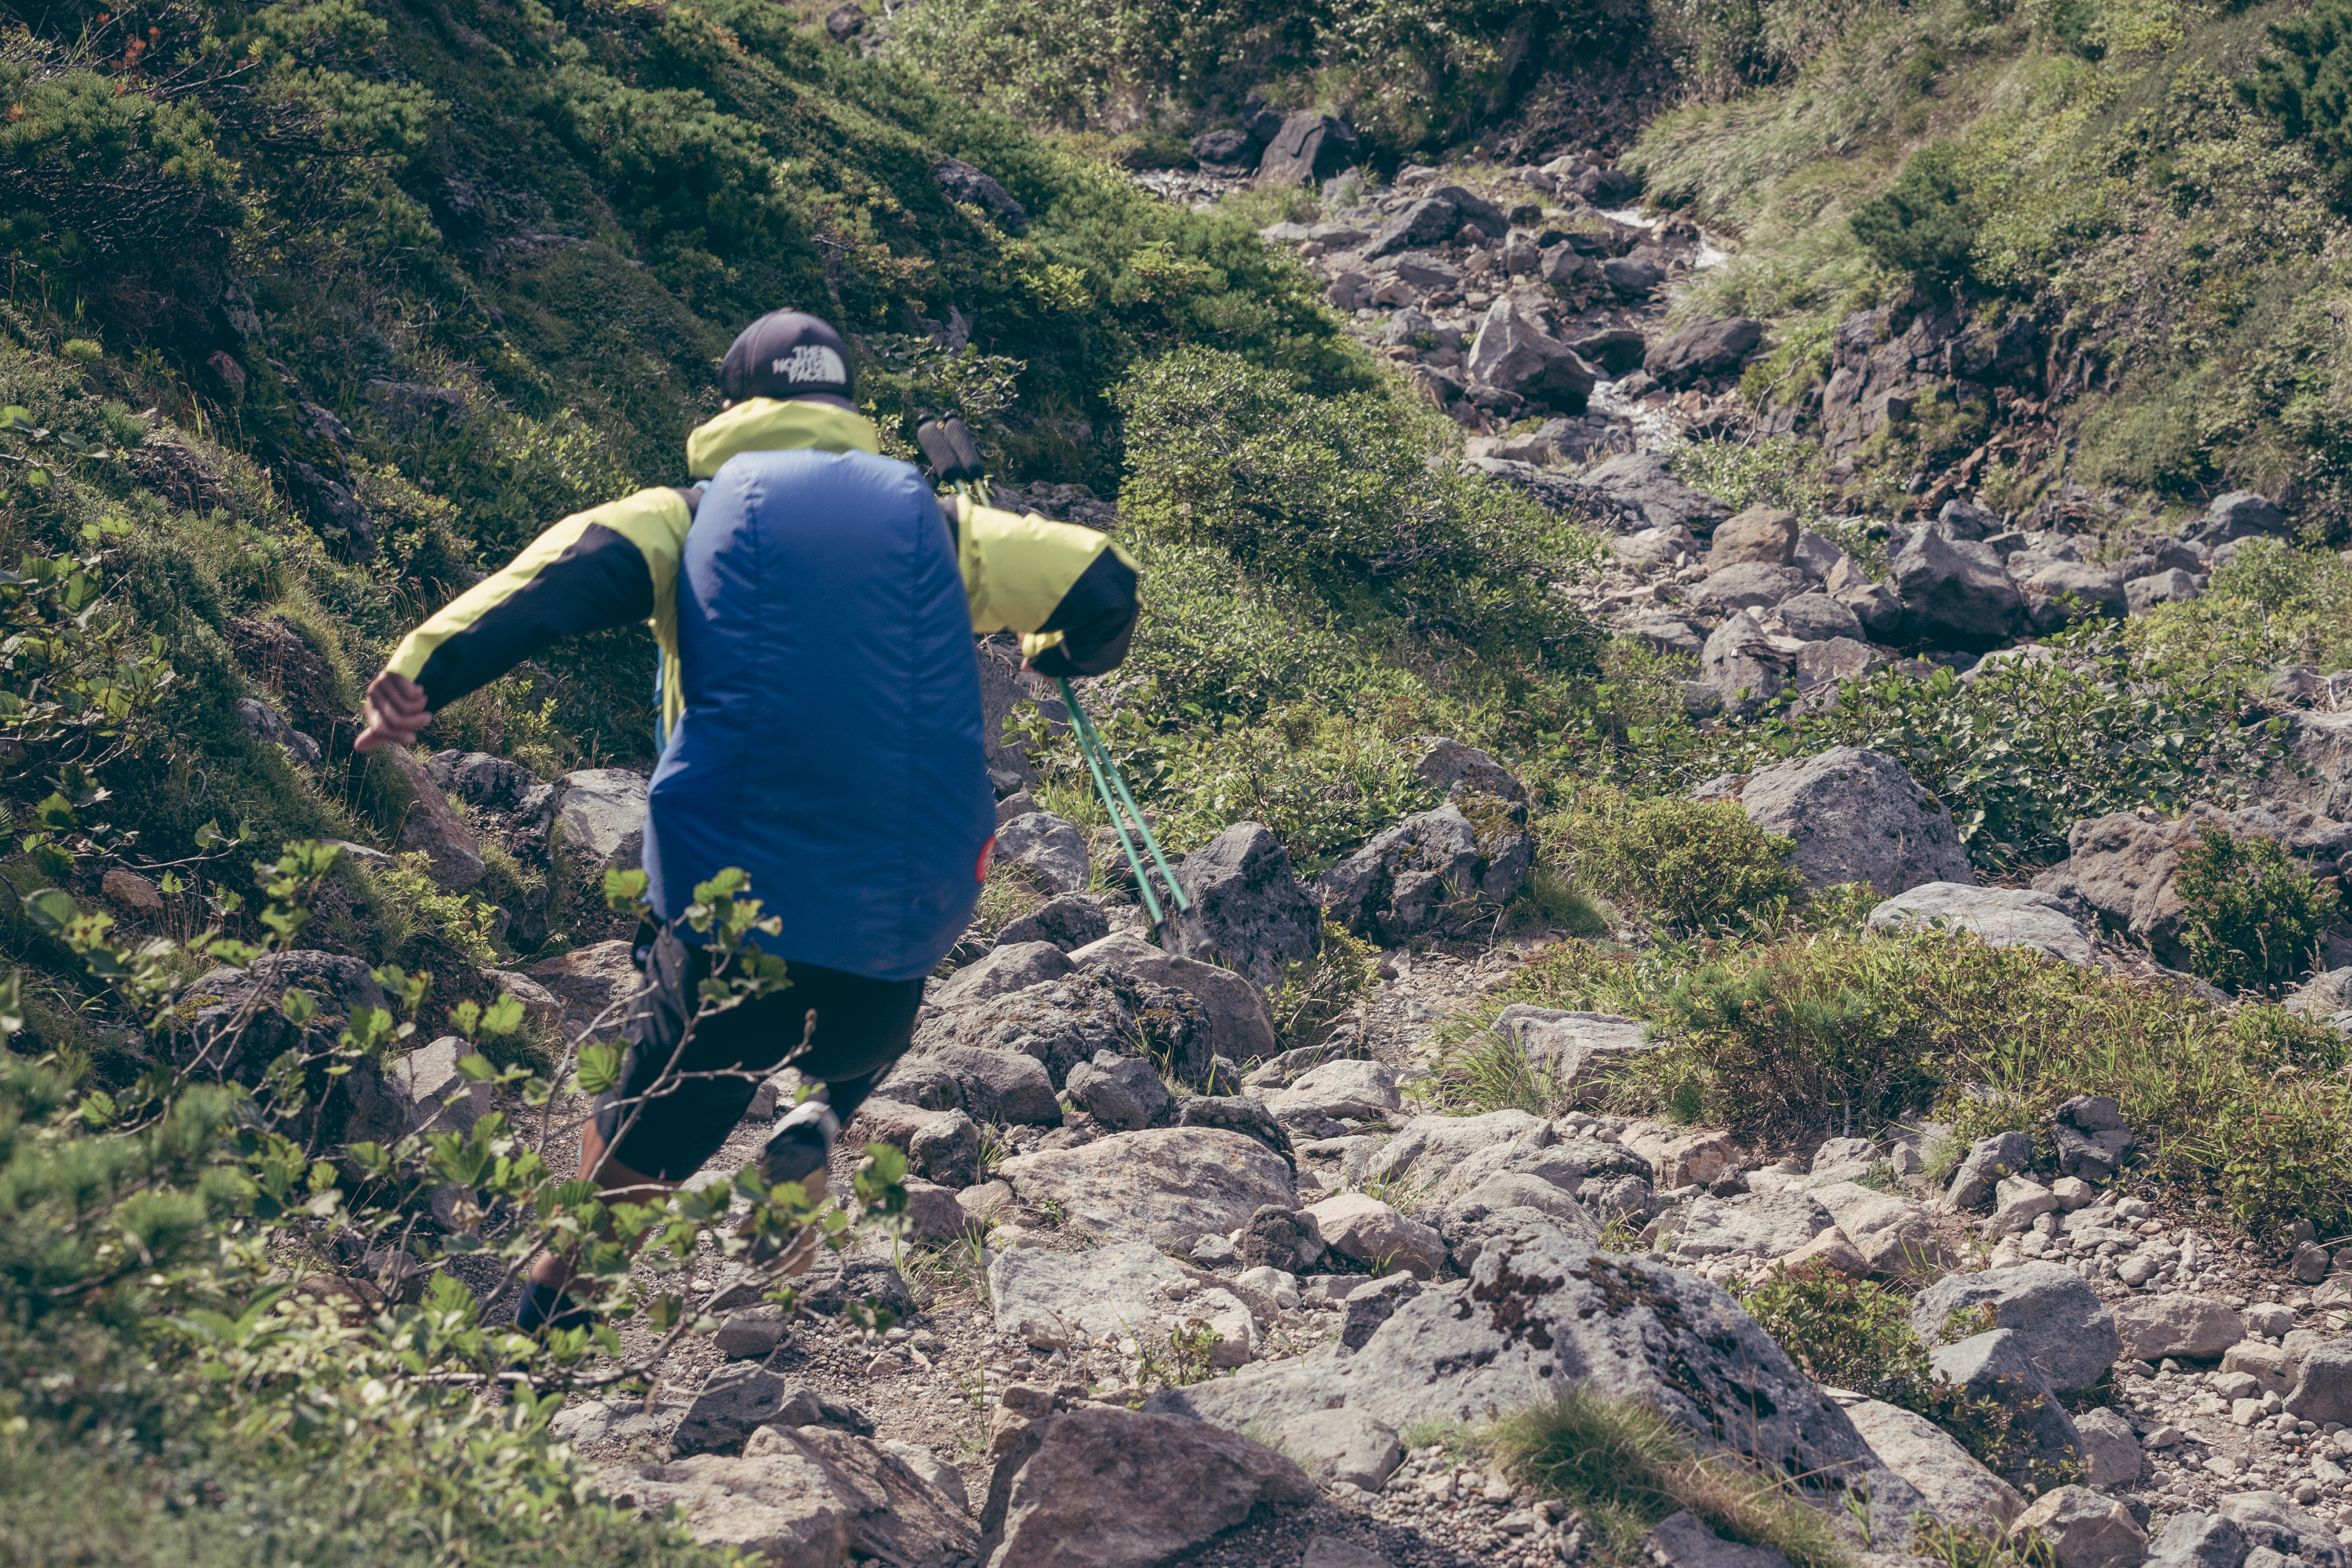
(947, 441)
(1107, 780)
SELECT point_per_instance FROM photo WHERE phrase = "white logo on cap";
(812, 362)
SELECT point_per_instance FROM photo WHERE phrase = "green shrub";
(1320, 991)
(2251, 918)
(1856, 1334)
(2306, 86)
(2120, 719)
(1923, 227)
(1352, 497)
(1692, 865)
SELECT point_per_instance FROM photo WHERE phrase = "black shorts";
(863, 1026)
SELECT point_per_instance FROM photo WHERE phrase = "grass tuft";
(1623, 1468)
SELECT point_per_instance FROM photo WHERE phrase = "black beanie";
(786, 353)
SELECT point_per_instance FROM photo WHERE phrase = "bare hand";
(394, 713)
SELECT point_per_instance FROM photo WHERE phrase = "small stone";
(132, 890)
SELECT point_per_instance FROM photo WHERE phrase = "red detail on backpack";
(987, 853)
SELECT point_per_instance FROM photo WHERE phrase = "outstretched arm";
(607, 567)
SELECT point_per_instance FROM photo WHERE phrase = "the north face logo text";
(812, 362)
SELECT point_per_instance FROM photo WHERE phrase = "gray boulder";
(1243, 1113)
(1857, 816)
(964, 184)
(1310, 149)
(1558, 1312)
(1465, 772)
(1168, 1185)
(1818, 618)
(2005, 917)
(433, 825)
(1745, 662)
(1248, 910)
(1053, 1298)
(1513, 354)
(2272, 1519)
(1009, 966)
(2172, 586)
(1225, 149)
(1964, 1494)
(736, 1399)
(601, 812)
(1617, 350)
(1433, 871)
(1658, 546)
(1956, 593)
(2200, 1541)
(801, 1495)
(1240, 1028)
(1632, 278)
(1753, 1225)
(2241, 514)
(236, 1027)
(2061, 1324)
(1122, 1092)
(2322, 1389)
(1641, 488)
(2049, 586)
(1702, 349)
(1682, 1541)
(1579, 1051)
(2091, 1137)
(1120, 1489)
(2194, 1328)
(1987, 1161)
(1065, 1021)
(1353, 1090)
(1761, 535)
(1068, 921)
(1341, 1445)
(837, 1280)
(1428, 221)
(1050, 846)
(1748, 585)
(1995, 1365)
(1277, 1238)
(1510, 1211)
(990, 1085)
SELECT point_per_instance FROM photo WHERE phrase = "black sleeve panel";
(1095, 618)
(599, 581)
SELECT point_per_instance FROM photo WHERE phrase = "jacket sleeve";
(603, 568)
(1070, 591)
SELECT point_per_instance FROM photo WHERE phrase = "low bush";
(1319, 993)
(2117, 719)
(2250, 918)
(1694, 866)
(1923, 227)
(1857, 1334)
(1352, 498)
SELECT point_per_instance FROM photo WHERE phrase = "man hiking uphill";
(815, 604)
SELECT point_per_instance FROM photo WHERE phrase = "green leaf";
(600, 1066)
(51, 909)
(503, 1018)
